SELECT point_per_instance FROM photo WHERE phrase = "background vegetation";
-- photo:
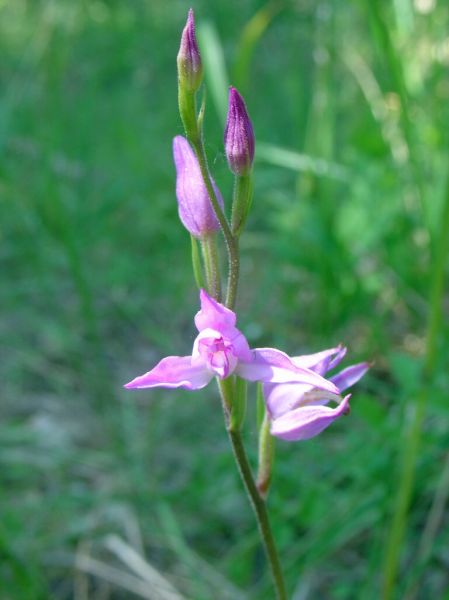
(350, 103)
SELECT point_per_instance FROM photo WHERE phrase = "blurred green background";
(350, 105)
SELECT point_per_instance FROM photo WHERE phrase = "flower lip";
(216, 352)
(307, 421)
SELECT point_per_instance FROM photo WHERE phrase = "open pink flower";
(300, 411)
(220, 350)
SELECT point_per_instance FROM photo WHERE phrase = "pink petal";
(337, 358)
(282, 397)
(320, 362)
(271, 365)
(173, 372)
(194, 205)
(307, 421)
(350, 375)
(214, 315)
(240, 346)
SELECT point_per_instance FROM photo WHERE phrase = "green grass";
(350, 107)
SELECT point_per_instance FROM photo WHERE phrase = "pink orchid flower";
(221, 350)
(300, 411)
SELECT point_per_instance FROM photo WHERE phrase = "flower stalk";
(233, 389)
(231, 241)
(260, 510)
(196, 140)
(266, 456)
(234, 407)
(256, 500)
(187, 111)
(293, 391)
(238, 411)
(193, 129)
(211, 265)
(196, 263)
(241, 204)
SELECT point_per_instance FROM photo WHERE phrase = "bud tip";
(239, 135)
(190, 69)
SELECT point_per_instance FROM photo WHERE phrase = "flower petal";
(271, 365)
(174, 372)
(214, 315)
(320, 362)
(282, 397)
(240, 346)
(337, 358)
(350, 375)
(307, 421)
(194, 205)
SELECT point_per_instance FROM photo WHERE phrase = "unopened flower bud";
(239, 135)
(194, 205)
(190, 68)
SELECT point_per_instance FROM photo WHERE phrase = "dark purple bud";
(190, 68)
(194, 205)
(239, 135)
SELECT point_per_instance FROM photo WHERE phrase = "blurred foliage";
(350, 108)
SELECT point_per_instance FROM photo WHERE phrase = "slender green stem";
(187, 111)
(413, 438)
(196, 263)
(266, 455)
(231, 241)
(258, 504)
(243, 190)
(260, 510)
(238, 413)
(226, 387)
(266, 445)
(211, 265)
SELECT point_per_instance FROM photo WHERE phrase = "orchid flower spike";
(239, 135)
(194, 205)
(300, 411)
(221, 350)
(190, 68)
